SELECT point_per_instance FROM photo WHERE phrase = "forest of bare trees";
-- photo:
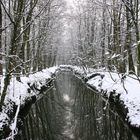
(102, 34)
(107, 34)
(29, 33)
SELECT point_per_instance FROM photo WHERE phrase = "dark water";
(71, 111)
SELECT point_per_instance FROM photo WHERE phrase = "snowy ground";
(18, 92)
(128, 87)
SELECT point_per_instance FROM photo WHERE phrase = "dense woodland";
(97, 33)
(29, 35)
(107, 34)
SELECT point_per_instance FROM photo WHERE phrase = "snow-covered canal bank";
(20, 96)
(125, 90)
(71, 111)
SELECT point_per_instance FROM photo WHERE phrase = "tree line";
(100, 34)
(30, 31)
(108, 34)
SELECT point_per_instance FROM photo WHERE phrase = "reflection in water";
(71, 111)
(66, 97)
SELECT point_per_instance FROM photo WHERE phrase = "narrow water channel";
(71, 111)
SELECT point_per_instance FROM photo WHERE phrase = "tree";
(128, 41)
(103, 36)
(108, 32)
(32, 24)
(0, 40)
(132, 8)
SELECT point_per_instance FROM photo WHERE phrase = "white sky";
(69, 1)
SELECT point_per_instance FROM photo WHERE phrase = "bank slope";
(126, 88)
(21, 94)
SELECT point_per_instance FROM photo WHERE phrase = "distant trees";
(103, 34)
(30, 29)
(108, 34)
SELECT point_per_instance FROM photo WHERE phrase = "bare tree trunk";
(109, 61)
(26, 48)
(137, 33)
(133, 8)
(11, 65)
(103, 33)
(128, 42)
(117, 12)
(0, 39)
